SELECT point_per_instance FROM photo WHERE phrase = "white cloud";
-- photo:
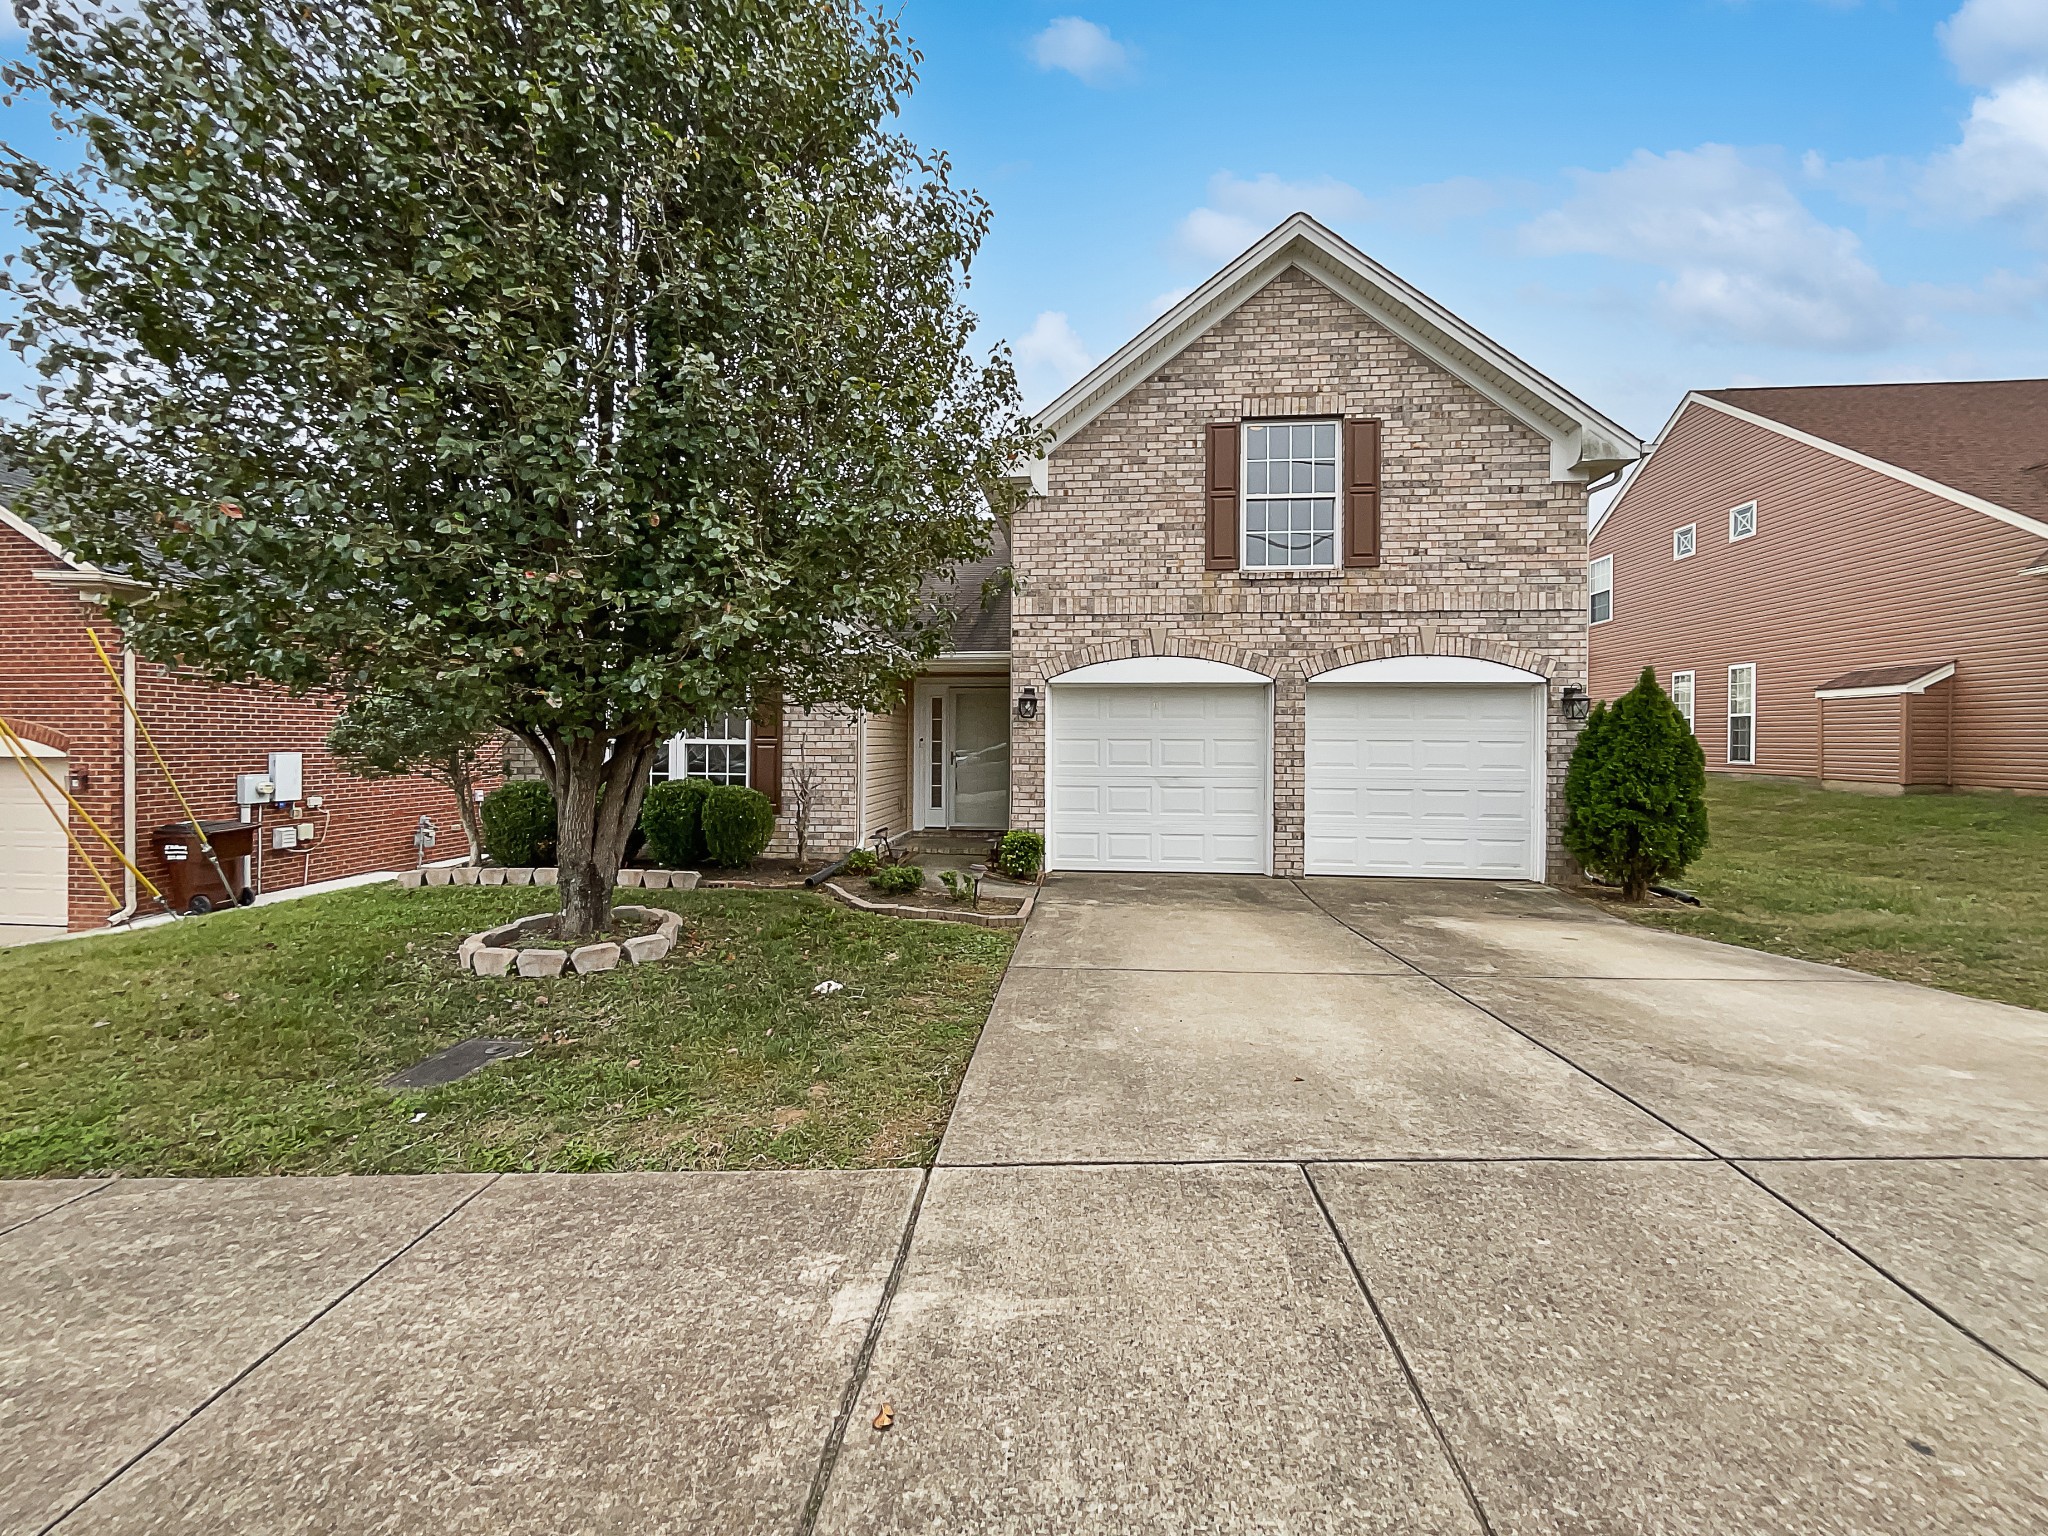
(1161, 303)
(1081, 48)
(1050, 356)
(1743, 257)
(1239, 211)
(1993, 41)
(2001, 165)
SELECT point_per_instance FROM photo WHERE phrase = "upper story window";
(714, 749)
(1681, 695)
(1684, 541)
(1600, 584)
(1290, 495)
(1742, 522)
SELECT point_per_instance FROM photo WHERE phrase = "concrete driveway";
(1325, 1206)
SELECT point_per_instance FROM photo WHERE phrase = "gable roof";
(1584, 445)
(1980, 444)
(1987, 438)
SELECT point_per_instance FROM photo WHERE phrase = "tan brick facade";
(1482, 553)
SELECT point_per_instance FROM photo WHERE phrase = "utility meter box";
(254, 789)
(288, 776)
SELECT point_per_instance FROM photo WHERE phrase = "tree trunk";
(597, 802)
(465, 807)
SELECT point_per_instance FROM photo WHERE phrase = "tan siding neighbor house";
(1849, 583)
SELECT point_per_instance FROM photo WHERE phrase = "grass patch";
(1949, 891)
(254, 1041)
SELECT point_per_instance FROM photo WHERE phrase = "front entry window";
(714, 749)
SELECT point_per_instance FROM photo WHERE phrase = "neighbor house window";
(1741, 521)
(1684, 540)
(714, 749)
(1742, 713)
(1681, 695)
(1290, 495)
(1600, 579)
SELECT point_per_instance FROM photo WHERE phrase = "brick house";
(1299, 586)
(56, 695)
(1843, 584)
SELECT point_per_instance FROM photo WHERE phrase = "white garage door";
(34, 858)
(1159, 778)
(1434, 780)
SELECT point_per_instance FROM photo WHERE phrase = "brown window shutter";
(1221, 491)
(764, 765)
(1361, 492)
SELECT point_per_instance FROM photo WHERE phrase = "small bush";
(672, 819)
(737, 825)
(897, 879)
(863, 861)
(958, 886)
(1020, 854)
(1636, 791)
(519, 824)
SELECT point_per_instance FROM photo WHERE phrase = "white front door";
(1159, 777)
(962, 772)
(35, 858)
(1440, 780)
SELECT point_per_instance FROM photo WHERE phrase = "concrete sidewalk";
(1331, 1206)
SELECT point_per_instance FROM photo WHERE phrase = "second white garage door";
(1159, 778)
(34, 856)
(1432, 780)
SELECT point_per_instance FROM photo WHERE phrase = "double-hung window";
(1290, 495)
(1684, 541)
(1681, 695)
(714, 749)
(1600, 590)
(1742, 713)
(1742, 522)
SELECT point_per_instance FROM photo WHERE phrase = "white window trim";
(1593, 588)
(1733, 512)
(680, 743)
(1679, 533)
(1733, 760)
(1244, 496)
(1692, 698)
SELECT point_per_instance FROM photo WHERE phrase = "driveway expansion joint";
(83, 1194)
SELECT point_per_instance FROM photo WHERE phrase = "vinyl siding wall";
(1848, 568)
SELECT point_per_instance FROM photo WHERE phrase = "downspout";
(129, 895)
(860, 779)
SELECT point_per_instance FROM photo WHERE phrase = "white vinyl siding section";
(1160, 778)
(1682, 696)
(1600, 590)
(1742, 713)
(1420, 780)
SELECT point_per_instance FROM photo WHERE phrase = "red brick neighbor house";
(56, 695)
(1299, 585)
(1843, 584)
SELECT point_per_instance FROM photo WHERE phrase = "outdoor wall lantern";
(1577, 705)
(1027, 703)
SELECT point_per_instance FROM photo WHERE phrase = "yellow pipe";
(14, 743)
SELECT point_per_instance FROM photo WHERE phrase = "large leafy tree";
(585, 363)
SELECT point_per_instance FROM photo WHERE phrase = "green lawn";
(1947, 890)
(254, 1041)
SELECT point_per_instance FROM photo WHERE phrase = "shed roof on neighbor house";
(1899, 677)
(1988, 438)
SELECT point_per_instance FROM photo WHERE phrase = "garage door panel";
(1436, 780)
(1179, 782)
(35, 859)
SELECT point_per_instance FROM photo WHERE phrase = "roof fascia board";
(1891, 690)
(1578, 434)
(1642, 464)
(40, 539)
(1879, 466)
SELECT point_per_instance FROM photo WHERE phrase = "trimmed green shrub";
(863, 861)
(737, 825)
(1020, 854)
(519, 824)
(897, 879)
(672, 820)
(958, 886)
(1636, 791)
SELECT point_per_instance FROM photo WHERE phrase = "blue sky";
(1637, 196)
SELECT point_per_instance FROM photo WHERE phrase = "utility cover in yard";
(457, 1062)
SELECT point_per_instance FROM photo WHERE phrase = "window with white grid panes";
(713, 749)
(1290, 495)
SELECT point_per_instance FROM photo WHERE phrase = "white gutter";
(129, 895)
